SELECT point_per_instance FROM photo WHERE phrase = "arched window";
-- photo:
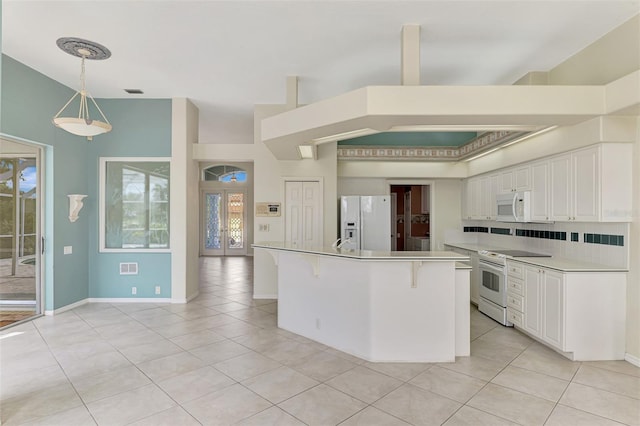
(225, 173)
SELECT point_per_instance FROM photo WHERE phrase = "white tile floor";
(221, 360)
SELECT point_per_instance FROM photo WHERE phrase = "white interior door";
(224, 223)
(303, 214)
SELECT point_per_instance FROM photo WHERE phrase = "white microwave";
(514, 207)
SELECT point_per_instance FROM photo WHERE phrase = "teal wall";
(140, 128)
(29, 102)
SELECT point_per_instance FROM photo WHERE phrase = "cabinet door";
(522, 178)
(494, 182)
(532, 301)
(506, 181)
(474, 198)
(484, 195)
(540, 191)
(553, 303)
(560, 188)
(467, 199)
(586, 189)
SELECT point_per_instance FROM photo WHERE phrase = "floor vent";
(129, 269)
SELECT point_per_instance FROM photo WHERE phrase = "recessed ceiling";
(454, 139)
(228, 56)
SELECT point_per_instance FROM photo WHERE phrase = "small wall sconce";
(75, 204)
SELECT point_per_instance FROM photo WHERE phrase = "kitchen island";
(381, 306)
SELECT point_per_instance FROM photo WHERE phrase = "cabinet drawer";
(515, 302)
(515, 317)
(515, 286)
(515, 270)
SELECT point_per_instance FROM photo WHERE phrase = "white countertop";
(567, 265)
(424, 256)
(557, 263)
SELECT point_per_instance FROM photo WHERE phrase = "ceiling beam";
(410, 60)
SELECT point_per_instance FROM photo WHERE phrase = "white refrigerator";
(365, 221)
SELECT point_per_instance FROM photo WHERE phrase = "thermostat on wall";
(268, 209)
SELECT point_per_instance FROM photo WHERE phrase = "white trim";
(265, 296)
(39, 155)
(102, 161)
(129, 300)
(632, 359)
(67, 308)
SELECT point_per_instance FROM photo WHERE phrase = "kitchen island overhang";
(379, 306)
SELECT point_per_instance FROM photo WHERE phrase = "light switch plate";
(68, 249)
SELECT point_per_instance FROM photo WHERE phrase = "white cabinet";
(553, 303)
(515, 179)
(540, 191)
(480, 197)
(560, 188)
(591, 184)
(580, 314)
(587, 185)
(532, 307)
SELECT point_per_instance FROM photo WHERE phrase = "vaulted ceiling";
(228, 56)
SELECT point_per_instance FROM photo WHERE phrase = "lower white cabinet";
(580, 314)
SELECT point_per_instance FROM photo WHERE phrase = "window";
(135, 205)
(225, 173)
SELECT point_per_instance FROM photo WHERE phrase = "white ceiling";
(227, 56)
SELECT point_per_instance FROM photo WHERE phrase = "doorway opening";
(20, 245)
(224, 206)
(412, 217)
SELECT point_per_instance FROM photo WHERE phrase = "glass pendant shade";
(82, 125)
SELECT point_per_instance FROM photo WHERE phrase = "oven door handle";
(490, 266)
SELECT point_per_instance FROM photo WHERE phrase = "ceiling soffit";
(430, 108)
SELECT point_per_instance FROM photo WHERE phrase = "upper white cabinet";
(592, 184)
(540, 191)
(480, 197)
(515, 179)
(587, 185)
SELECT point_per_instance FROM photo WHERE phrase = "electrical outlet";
(318, 323)
(157, 289)
(134, 290)
(68, 249)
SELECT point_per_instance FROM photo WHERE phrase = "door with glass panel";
(19, 238)
(224, 222)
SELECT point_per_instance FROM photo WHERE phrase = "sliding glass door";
(19, 238)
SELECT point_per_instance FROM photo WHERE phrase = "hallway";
(221, 360)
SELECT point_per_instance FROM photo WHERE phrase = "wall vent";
(129, 268)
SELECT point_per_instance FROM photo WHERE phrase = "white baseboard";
(265, 296)
(632, 359)
(129, 300)
(67, 308)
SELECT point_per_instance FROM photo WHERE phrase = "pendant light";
(83, 125)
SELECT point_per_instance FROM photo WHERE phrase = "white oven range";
(493, 282)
